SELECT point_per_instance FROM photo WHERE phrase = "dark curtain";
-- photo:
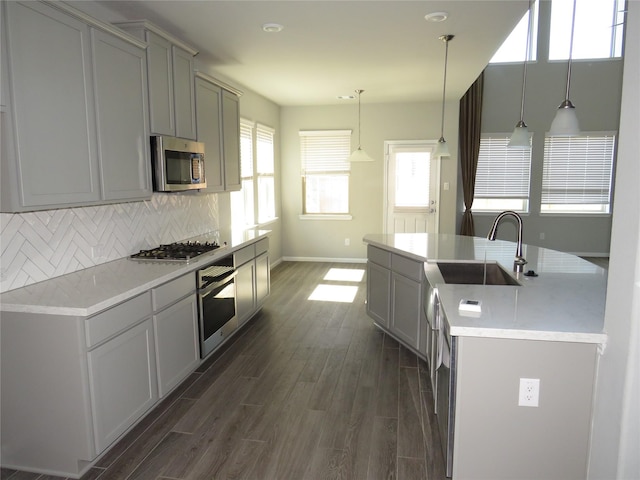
(469, 131)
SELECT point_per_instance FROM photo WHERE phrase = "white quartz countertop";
(89, 291)
(565, 302)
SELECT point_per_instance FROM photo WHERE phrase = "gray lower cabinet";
(252, 279)
(175, 322)
(122, 381)
(395, 296)
(88, 73)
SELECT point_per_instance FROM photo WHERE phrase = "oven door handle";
(217, 283)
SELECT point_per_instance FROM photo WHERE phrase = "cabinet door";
(123, 382)
(177, 343)
(406, 309)
(263, 281)
(183, 94)
(245, 292)
(378, 291)
(231, 140)
(209, 130)
(120, 76)
(50, 75)
(160, 67)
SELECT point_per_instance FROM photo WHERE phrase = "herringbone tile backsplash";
(37, 246)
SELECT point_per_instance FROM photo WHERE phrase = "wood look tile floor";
(308, 389)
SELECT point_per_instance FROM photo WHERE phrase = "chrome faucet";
(519, 262)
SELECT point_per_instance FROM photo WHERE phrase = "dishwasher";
(445, 395)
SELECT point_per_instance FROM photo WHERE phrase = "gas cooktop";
(178, 252)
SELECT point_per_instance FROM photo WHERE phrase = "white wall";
(411, 121)
(616, 427)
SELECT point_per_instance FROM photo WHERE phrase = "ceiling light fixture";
(358, 154)
(436, 17)
(520, 137)
(565, 123)
(442, 149)
(272, 27)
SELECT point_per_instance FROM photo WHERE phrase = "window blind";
(578, 170)
(246, 149)
(324, 151)
(264, 147)
(502, 172)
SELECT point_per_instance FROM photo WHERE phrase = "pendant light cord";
(445, 39)
(573, 23)
(526, 58)
(359, 127)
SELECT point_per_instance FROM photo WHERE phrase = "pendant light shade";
(520, 137)
(565, 123)
(442, 149)
(359, 155)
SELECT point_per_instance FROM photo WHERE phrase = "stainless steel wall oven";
(216, 303)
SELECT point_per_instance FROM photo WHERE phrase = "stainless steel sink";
(475, 274)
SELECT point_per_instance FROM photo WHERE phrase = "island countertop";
(89, 291)
(564, 302)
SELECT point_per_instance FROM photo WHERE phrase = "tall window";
(265, 174)
(257, 175)
(513, 48)
(598, 29)
(325, 171)
(502, 178)
(577, 173)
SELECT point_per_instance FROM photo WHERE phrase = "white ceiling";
(332, 47)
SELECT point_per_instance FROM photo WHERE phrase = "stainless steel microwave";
(178, 164)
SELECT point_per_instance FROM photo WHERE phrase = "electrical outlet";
(347, 242)
(542, 236)
(529, 392)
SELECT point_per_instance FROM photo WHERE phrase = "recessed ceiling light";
(346, 97)
(272, 27)
(436, 17)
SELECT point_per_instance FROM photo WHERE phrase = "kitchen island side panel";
(45, 411)
(497, 439)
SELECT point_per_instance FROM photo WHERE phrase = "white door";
(411, 187)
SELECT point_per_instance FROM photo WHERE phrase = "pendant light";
(565, 124)
(359, 155)
(520, 137)
(442, 149)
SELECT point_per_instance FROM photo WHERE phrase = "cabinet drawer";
(243, 255)
(116, 319)
(409, 268)
(379, 256)
(262, 246)
(172, 291)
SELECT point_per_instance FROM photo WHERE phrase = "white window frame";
(324, 154)
(577, 172)
(503, 176)
(591, 23)
(265, 174)
(513, 48)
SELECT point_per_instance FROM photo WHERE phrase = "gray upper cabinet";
(123, 131)
(73, 128)
(218, 127)
(170, 63)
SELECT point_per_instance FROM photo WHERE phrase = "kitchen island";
(548, 327)
(87, 355)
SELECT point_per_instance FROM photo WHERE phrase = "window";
(513, 48)
(256, 176)
(577, 173)
(502, 177)
(265, 174)
(598, 29)
(242, 202)
(325, 171)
